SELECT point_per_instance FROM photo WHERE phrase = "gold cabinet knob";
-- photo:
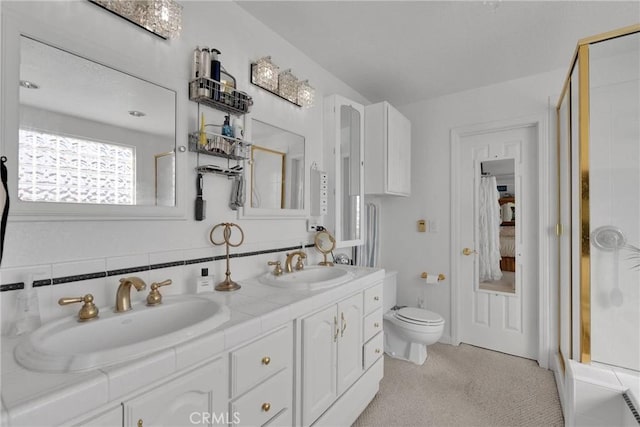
(376, 298)
(377, 351)
(140, 422)
(376, 325)
(266, 360)
(468, 251)
(266, 407)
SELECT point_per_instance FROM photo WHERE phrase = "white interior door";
(505, 321)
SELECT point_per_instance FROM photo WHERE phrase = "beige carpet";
(464, 386)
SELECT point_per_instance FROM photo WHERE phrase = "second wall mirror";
(275, 177)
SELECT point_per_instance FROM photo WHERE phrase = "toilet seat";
(418, 316)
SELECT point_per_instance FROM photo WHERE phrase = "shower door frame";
(581, 242)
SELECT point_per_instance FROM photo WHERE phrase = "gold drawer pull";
(377, 351)
(376, 298)
(266, 407)
(266, 360)
(376, 325)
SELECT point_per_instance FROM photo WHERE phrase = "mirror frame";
(16, 24)
(248, 212)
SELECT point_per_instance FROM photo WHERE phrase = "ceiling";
(406, 51)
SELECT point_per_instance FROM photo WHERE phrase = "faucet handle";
(88, 310)
(300, 264)
(155, 297)
(278, 270)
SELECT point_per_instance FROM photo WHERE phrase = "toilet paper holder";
(441, 276)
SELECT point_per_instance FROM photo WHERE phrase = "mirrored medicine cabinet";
(86, 140)
(344, 163)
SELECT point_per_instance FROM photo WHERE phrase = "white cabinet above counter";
(387, 148)
(245, 371)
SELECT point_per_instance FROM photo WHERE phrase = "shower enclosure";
(599, 216)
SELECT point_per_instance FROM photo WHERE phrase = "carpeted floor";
(464, 386)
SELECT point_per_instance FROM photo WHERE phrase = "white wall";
(432, 121)
(86, 29)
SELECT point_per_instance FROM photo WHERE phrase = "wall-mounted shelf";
(217, 145)
(217, 170)
(216, 95)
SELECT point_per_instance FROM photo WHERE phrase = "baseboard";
(350, 405)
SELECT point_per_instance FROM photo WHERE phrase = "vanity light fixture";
(136, 113)
(28, 85)
(306, 94)
(264, 74)
(160, 17)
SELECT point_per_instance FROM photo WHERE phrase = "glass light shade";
(288, 86)
(161, 17)
(265, 74)
(306, 94)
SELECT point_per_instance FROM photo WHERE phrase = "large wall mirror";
(91, 140)
(497, 226)
(276, 181)
(350, 172)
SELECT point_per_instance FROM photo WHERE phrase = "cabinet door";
(319, 343)
(197, 398)
(398, 152)
(349, 341)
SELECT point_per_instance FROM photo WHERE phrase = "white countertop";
(29, 397)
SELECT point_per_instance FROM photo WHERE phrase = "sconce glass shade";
(306, 94)
(264, 73)
(161, 17)
(288, 86)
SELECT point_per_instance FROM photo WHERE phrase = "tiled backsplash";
(99, 277)
(128, 270)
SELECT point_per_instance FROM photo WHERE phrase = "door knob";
(468, 251)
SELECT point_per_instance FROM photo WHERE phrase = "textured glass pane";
(61, 169)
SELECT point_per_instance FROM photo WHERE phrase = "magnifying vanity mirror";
(92, 140)
(276, 181)
(325, 244)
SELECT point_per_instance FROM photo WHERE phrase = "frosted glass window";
(57, 168)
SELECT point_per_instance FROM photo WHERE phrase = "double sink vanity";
(297, 348)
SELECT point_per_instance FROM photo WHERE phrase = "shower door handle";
(468, 251)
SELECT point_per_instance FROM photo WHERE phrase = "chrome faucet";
(123, 295)
(299, 265)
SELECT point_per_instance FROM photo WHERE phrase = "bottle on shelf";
(205, 71)
(215, 72)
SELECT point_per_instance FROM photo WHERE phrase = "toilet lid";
(420, 315)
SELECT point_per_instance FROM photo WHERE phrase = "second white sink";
(67, 345)
(314, 277)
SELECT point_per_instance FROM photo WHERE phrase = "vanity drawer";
(372, 298)
(373, 350)
(265, 401)
(256, 361)
(372, 324)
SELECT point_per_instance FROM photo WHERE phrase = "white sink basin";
(314, 277)
(67, 345)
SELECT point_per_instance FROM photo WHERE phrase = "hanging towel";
(367, 255)
(5, 201)
(237, 193)
(489, 230)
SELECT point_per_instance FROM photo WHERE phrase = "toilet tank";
(389, 290)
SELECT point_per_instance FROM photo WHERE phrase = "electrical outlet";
(312, 225)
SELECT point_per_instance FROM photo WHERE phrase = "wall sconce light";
(284, 84)
(264, 73)
(305, 94)
(160, 17)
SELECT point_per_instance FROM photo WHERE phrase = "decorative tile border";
(123, 271)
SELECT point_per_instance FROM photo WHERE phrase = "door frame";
(539, 122)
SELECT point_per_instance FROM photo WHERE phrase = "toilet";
(408, 330)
